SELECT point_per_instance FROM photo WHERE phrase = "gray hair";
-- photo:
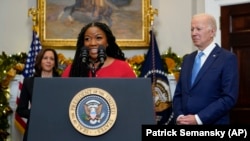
(210, 19)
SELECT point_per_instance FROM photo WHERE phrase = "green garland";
(171, 62)
(7, 63)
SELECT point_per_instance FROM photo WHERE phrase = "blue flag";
(153, 68)
(35, 47)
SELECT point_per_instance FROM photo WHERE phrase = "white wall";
(173, 26)
(16, 27)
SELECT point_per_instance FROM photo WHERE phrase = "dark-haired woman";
(98, 55)
(45, 66)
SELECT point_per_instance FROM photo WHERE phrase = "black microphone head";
(84, 54)
(102, 54)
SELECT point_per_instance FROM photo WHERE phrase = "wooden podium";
(50, 121)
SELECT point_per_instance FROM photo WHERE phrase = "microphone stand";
(101, 59)
(93, 69)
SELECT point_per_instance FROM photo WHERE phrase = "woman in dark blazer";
(45, 66)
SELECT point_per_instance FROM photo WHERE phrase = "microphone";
(101, 54)
(84, 54)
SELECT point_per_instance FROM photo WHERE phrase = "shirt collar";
(208, 49)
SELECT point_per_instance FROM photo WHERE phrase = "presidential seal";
(92, 111)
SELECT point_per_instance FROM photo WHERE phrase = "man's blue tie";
(197, 66)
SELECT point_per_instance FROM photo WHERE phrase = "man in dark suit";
(214, 90)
